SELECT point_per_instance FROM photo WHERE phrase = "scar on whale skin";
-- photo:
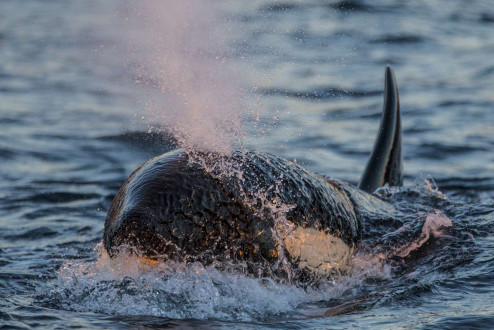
(185, 206)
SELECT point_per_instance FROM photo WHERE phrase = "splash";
(181, 51)
(434, 225)
(418, 228)
(129, 285)
(431, 186)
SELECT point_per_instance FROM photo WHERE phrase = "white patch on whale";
(319, 252)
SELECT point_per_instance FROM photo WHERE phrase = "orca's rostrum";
(253, 208)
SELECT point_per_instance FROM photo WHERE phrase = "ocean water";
(91, 89)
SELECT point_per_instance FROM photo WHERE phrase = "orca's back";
(225, 206)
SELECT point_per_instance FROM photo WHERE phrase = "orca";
(252, 208)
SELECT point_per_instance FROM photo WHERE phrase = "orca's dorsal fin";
(385, 163)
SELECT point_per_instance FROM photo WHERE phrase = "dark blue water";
(87, 89)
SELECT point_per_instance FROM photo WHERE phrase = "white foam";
(128, 285)
(434, 224)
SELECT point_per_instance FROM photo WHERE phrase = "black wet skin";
(172, 207)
